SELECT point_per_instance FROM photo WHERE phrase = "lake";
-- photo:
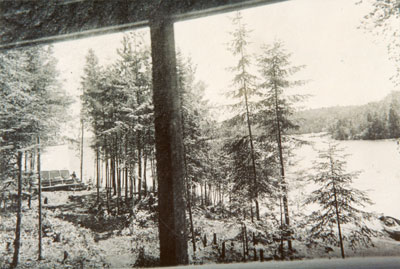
(67, 157)
(378, 161)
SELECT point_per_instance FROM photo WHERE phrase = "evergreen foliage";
(118, 104)
(275, 108)
(376, 120)
(383, 20)
(230, 167)
(31, 100)
(339, 203)
(32, 105)
(195, 122)
(243, 90)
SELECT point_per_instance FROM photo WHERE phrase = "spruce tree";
(93, 99)
(243, 89)
(339, 203)
(275, 109)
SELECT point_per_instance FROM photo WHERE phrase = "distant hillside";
(375, 120)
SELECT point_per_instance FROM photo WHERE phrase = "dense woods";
(33, 106)
(376, 120)
(230, 166)
(231, 170)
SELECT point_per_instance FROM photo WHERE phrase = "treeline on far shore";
(372, 121)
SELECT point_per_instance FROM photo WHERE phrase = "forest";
(237, 185)
(373, 121)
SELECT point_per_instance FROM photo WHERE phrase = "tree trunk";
(29, 179)
(209, 194)
(283, 179)
(251, 212)
(126, 184)
(139, 173)
(193, 192)
(153, 174)
(26, 161)
(253, 159)
(39, 200)
(215, 194)
(244, 242)
(32, 165)
(189, 205)
(282, 225)
(145, 173)
(82, 137)
(201, 194)
(337, 208)
(205, 194)
(108, 184)
(338, 224)
(114, 184)
(126, 173)
(132, 179)
(97, 175)
(118, 171)
(19, 216)
(101, 171)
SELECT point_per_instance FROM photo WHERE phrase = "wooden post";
(169, 145)
(261, 255)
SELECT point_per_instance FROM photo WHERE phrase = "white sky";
(344, 64)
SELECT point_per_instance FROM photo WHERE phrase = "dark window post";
(169, 147)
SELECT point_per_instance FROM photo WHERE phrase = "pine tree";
(275, 108)
(339, 203)
(93, 102)
(243, 91)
